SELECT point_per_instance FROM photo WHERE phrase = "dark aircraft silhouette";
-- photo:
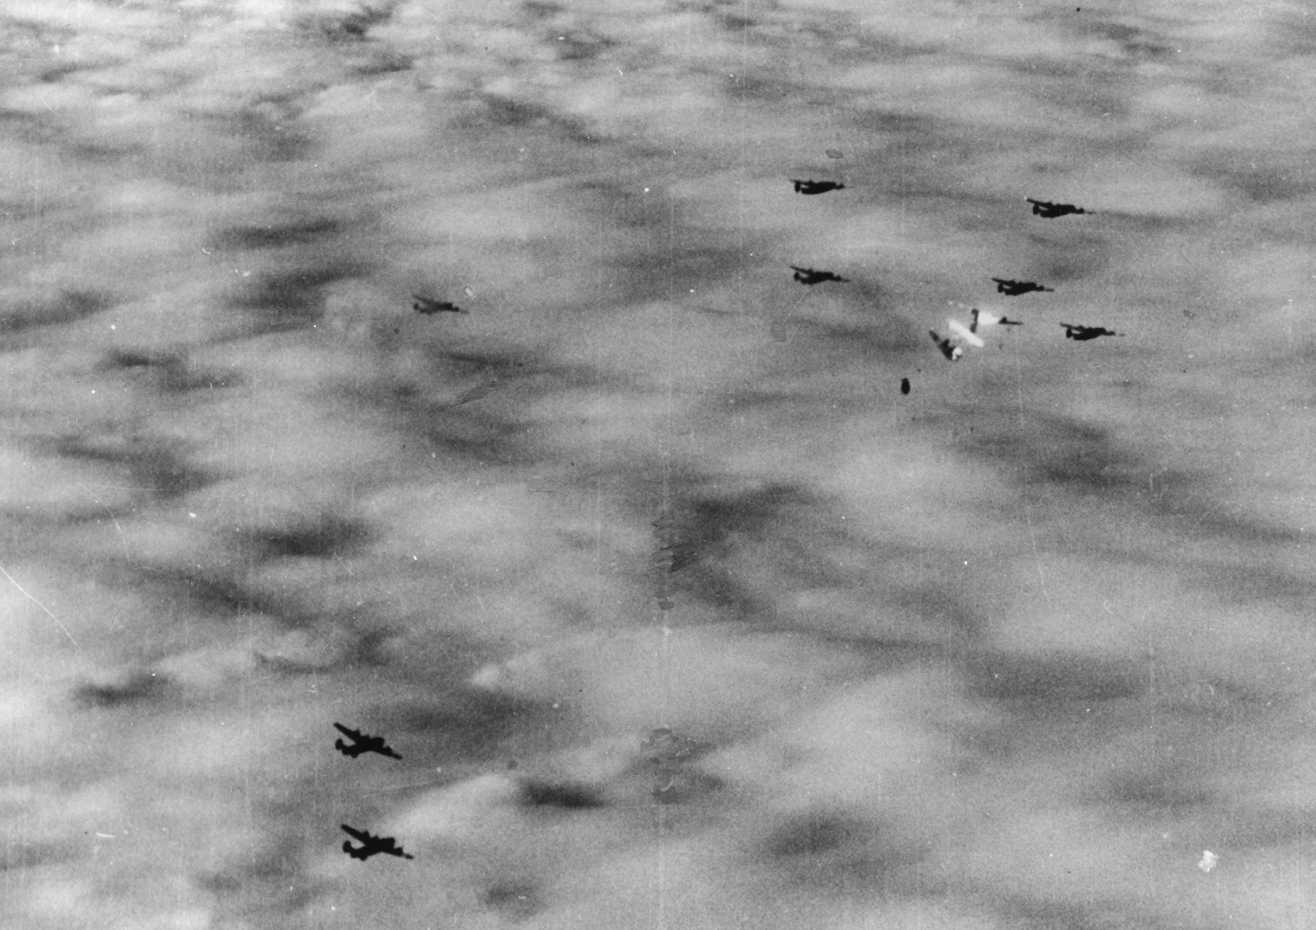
(361, 743)
(809, 276)
(430, 307)
(948, 349)
(1084, 333)
(815, 187)
(371, 845)
(1050, 211)
(1015, 288)
(990, 319)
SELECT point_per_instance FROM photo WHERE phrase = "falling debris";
(1084, 333)
(1048, 210)
(430, 307)
(1014, 288)
(834, 153)
(810, 276)
(816, 187)
(904, 385)
(986, 318)
(948, 349)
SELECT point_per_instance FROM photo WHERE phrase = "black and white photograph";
(657, 465)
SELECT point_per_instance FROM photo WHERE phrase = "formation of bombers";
(959, 335)
(951, 346)
(371, 844)
(664, 749)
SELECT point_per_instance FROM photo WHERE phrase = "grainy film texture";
(610, 466)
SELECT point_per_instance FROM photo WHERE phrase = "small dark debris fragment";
(834, 153)
(904, 385)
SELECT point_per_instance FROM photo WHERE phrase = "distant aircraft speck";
(1084, 333)
(429, 307)
(810, 276)
(1048, 210)
(371, 845)
(815, 187)
(1014, 288)
(361, 743)
(904, 385)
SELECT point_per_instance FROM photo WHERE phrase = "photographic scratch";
(25, 593)
(1028, 515)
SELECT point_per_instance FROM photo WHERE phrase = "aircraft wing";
(361, 836)
(348, 732)
(959, 329)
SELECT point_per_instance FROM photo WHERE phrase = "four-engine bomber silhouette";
(361, 743)
(815, 187)
(1050, 211)
(371, 845)
(1015, 288)
(1083, 333)
(810, 276)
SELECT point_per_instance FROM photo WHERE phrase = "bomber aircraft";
(810, 276)
(815, 187)
(1015, 288)
(1050, 211)
(361, 743)
(1084, 333)
(371, 845)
